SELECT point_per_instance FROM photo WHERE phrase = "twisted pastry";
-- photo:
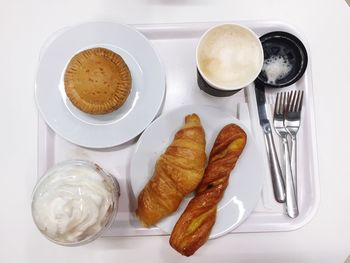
(193, 227)
(178, 172)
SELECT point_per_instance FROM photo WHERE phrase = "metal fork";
(292, 124)
(278, 122)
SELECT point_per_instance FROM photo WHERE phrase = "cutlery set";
(286, 123)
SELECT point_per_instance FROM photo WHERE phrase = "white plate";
(101, 131)
(246, 180)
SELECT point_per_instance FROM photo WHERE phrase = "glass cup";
(74, 202)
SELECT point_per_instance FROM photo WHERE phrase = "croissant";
(177, 172)
(193, 227)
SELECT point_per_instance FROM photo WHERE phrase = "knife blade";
(275, 169)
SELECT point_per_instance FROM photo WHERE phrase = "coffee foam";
(229, 56)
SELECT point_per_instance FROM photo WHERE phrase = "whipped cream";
(74, 202)
(276, 68)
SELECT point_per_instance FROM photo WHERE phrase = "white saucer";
(246, 180)
(100, 131)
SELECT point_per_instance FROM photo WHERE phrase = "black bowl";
(279, 43)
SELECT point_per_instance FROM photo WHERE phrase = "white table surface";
(24, 25)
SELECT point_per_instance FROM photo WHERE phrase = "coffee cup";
(229, 57)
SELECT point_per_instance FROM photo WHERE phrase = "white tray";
(176, 44)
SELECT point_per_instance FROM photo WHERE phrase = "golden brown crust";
(178, 172)
(193, 227)
(97, 81)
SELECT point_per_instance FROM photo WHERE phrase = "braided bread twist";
(193, 227)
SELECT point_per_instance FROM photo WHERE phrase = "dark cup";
(203, 85)
(228, 48)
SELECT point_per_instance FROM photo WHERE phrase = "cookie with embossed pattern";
(97, 81)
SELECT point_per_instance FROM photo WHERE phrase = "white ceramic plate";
(100, 131)
(246, 180)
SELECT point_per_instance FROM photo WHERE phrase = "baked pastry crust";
(178, 172)
(97, 81)
(193, 227)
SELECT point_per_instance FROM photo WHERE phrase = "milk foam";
(229, 56)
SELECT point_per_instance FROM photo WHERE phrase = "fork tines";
(281, 102)
(295, 100)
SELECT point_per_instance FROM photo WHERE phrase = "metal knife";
(275, 169)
